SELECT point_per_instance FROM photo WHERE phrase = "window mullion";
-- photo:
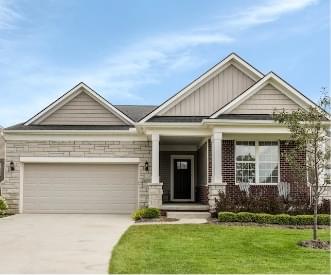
(256, 162)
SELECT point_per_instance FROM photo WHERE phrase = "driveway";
(59, 243)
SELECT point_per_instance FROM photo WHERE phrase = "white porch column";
(155, 190)
(155, 158)
(216, 186)
(217, 156)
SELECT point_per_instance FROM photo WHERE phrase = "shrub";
(273, 204)
(282, 219)
(245, 217)
(324, 219)
(264, 218)
(227, 217)
(304, 219)
(3, 206)
(146, 213)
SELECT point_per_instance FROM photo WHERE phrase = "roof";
(245, 116)
(136, 112)
(21, 126)
(276, 81)
(255, 74)
(177, 118)
(70, 94)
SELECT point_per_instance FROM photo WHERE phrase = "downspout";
(3, 138)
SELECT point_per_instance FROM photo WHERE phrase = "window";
(257, 162)
(245, 161)
(181, 165)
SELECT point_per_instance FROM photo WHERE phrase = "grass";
(209, 248)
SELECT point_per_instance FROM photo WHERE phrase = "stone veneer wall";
(117, 149)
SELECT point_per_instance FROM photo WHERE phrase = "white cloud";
(8, 15)
(121, 74)
(267, 12)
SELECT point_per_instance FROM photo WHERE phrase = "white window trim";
(172, 158)
(257, 163)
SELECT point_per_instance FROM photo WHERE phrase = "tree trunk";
(315, 218)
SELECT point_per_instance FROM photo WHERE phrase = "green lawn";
(209, 248)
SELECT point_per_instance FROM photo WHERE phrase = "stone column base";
(155, 193)
(213, 193)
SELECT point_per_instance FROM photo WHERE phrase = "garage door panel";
(80, 188)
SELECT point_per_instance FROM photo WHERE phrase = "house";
(82, 154)
(2, 157)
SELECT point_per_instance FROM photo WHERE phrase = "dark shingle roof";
(177, 118)
(21, 126)
(136, 112)
(246, 116)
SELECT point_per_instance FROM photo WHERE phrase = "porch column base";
(214, 189)
(155, 193)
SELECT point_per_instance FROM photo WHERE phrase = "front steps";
(187, 215)
(185, 210)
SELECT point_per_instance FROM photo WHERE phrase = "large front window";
(257, 162)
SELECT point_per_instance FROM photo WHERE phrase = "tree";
(308, 130)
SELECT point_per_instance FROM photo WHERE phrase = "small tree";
(309, 132)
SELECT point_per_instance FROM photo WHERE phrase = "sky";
(143, 52)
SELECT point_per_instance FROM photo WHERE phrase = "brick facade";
(298, 189)
(117, 149)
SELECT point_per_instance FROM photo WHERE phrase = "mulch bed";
(317, 244)
(216, 221)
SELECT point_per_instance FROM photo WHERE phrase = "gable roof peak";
(71, 93)
(255, 74)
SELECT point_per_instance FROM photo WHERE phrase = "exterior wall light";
(146, 166)
(11, 166)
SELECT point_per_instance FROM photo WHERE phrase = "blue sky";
(142, 52)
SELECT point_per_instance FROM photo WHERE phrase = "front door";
(182, 179)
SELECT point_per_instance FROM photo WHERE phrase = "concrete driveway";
(59, 243)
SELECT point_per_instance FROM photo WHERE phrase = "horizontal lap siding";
(82, 110)
(266, 101)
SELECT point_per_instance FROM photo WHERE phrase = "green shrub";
(323, 219)
(263, 218)
(304, 219)
(245, 217)
(3, 206)
(281, 219)
(227, 217)
(146, 213)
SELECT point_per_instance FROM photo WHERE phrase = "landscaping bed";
(210, 248)
(280, 219)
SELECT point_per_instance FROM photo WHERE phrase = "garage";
(79, 188)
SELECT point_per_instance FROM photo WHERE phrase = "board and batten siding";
(212, 95)
(266, 101)
(82, 110)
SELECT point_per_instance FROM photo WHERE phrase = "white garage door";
(80, 188)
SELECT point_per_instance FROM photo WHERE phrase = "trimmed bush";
(3, 206)
(324, 219)
(146, 213)
(245, 217)
(263, 218)
(282, 219)
(227, 217)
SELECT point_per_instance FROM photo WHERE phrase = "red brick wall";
(202, 194)
(298, 189)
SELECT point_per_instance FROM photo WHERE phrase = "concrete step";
(187, 215)
(184, 207)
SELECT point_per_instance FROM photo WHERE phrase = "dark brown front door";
(182, 179)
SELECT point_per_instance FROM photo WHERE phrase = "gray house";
(81, 154)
